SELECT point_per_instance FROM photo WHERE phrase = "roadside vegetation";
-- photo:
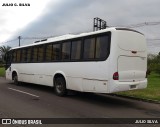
(152, 92)
(154, 63)
(3, 50)
(2, 72)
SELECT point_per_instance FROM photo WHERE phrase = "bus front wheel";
(15, 79)
(60, 86)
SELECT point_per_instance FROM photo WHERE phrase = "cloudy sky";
(45, 18)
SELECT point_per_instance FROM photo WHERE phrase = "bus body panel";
(80, 76)
(128, 57)
(131, 41)
(126, 86)
(131, 68)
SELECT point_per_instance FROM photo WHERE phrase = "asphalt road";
(33, 101)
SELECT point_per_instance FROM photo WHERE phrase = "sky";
(44, 18)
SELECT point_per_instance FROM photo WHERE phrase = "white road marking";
(23, 92)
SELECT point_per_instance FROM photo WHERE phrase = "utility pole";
(19, 38)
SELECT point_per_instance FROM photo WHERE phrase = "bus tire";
(15, 79)
(60, 86)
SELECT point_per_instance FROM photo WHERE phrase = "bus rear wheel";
(60, 86)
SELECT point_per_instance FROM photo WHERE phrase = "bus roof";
(72, 36)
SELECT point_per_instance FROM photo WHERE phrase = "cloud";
(71, 16)
(75, 16)
(62, 19)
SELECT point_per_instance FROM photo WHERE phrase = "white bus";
(105, 61)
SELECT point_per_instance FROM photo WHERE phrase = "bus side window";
(40, 53)
(102, 47)
(14, 54)
(23, 55)
(48, 53)
(56, 52)
(29, 50)
(89, 48)
(76, 50)
(18, 60)
(34, 57)
(66, 46)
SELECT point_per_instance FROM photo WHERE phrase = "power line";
(30, 38)
(153, 39)
(143, 24)
(10, 40)
(129, 26)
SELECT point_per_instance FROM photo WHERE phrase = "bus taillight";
(116, 76)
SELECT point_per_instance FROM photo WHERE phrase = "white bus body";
(124, 69)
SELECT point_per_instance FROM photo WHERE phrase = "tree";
(3, 51)
(154, 63)
(158, 63)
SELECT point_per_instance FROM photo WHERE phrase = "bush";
(153, 63)
(1, 65)
(157, 70)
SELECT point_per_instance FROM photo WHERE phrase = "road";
(33, 101)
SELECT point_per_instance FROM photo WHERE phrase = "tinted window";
(18, 56)
(34, 57)
(102, 47)
(48, 55)
(14, 56)
(76, 50)
(56, 52)
(40, 53)
(29, 54)
(89, 48)
(23, 55)
(95, 47)
(66, 51)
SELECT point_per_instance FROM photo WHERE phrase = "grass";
(2, 72)
(152, 92)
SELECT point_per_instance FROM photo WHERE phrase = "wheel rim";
(59, 86)
(15, 80)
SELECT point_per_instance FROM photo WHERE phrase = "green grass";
(152, 91)
(2, 72)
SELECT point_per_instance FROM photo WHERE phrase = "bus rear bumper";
(117, 86)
